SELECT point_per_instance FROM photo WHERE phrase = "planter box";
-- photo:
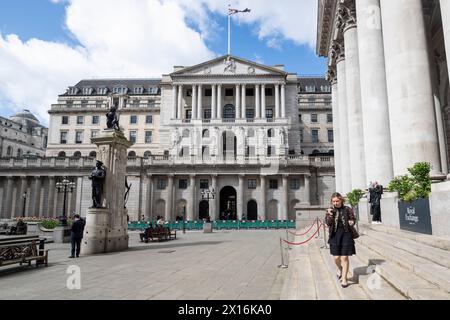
(415, 216)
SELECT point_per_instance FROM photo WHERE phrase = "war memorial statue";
(98, 177)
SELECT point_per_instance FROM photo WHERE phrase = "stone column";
(51, 195)
(262, 205)
(191, 199)
(374, 100)
(240, 199)
(200, 102)
(213, 102)
(355, 121)
(337, 138)
(244, 101)
(180, 101)
(307, 189)
(37, 196)
(283, 101)
(149, 206)
(411, 105)
(257, 101)
(215, 201)
(285, 205)
(238, 102)
(343, 123)
(445, 12)
(263, 101)
(277, 101)
(169, 204)
(194, 102)
(8, 197)
(219, 102)
(23, 189)
(175, 102)
(141, 196)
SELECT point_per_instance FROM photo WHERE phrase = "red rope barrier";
(295, 234)
(300, 243)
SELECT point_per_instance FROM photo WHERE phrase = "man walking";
(76, 235)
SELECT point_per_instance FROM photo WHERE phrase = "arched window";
(62, 154)
(9, 151)
(77, 154)
(93, 154)
(147, 154)
(229, 112)
(270, 133)
(131, 154)
(19, 153)
(206, 133)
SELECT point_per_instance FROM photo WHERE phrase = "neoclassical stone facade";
(228, 125)
(388, 70)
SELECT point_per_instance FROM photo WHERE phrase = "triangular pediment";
(229, 65)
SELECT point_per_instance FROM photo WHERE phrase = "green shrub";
(354, 197)
(49, 224)
(416, 185)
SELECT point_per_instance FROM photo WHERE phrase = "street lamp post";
(24, 196)
(184, 219)
(65, 186)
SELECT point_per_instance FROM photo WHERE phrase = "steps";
(414, 268)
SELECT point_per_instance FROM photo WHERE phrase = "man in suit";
(76, 235)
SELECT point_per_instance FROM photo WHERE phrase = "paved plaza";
(231, 265)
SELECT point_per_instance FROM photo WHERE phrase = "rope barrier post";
(318, 227)
(283, 265)
(325, 237)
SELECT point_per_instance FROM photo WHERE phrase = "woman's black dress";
(341, 242)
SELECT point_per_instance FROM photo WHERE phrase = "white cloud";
(134, 38)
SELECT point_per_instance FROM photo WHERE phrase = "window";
(84, 103)
(251, 184)
(250, 92)
(269, 92)
(229, 112)
(153, 90)
(161, 184)
(208, 92)
(314, 118)
(131, 154)
(92, 154)
(148, 137)
(330, 136)
(204, 183)
(61, 154)
(138, 90)
(300, 118)
(102, 90)
(65, 120)
(133, 119)
(182, 184)
(133, 136)
(269, 113)
(73, 91)
(250, 151)
(250, 113)
(205, 133)
(9, 151)
(120, 90)
(270, 151)
(188, 114)
(69, 104)
(77, 154)
(98, 103)
(273, 184)
(79, 137)
(136, 103)
(149, 119)
(229, 92)
(189, 93)
(87, 91)
(295, 184)
(94, 133)
(310, 89)
(80, 120)
(63, 137)
(301, 135)
(325, 88)
(147, 154)
(207, 114)
(270, 133)
(95, 119)
(329, 118)
(315, 135)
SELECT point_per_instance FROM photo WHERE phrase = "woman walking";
(339, 219)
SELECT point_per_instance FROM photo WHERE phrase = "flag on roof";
(235, 11)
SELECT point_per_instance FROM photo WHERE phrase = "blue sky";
(65, 37)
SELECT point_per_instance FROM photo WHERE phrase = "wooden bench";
(22, 250)
(159, 233)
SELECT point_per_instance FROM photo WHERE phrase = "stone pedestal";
(307, 214)
(107, 228)
(207, 227)
(61, 235)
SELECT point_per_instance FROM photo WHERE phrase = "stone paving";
(224, 265)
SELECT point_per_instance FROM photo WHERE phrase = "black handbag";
(355, 233)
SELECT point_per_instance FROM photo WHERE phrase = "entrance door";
(252, 210)
(228, 197)
(203, 210)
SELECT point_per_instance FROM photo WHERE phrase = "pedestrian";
(340, 218)
(375, 202)
(76, 235)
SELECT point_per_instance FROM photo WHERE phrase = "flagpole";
(229, 34)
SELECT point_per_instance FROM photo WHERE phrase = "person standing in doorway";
(340, 218)
(76, 235)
